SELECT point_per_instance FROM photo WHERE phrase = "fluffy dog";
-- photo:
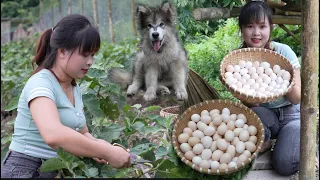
(161, 61)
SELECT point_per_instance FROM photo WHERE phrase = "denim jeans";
(283, 124)
(18, 165)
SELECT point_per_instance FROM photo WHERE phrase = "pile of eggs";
(257, 79)
(214, 140)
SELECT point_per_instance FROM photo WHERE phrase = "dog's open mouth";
(156, 45)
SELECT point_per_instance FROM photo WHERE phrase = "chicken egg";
(206, 154)
(254, 76)
(217, 120)
(195, 117)
(250, 146)
(268, 71)
(254, 86)
(185, 147)
(225, 158)
(286, 75)
(197, 133)
(265, 65)
(248, 65)
(252, 130)
(214, 111)
(193, 141)
(226, 111)
(196, 160)
(256, 64)
(247, 153)
(233, 117)
(183, 138)
(243, 71)
(232, 164)
(244, 136)
(192, 125)
(215, 165)
(242, 63)
(189, 155)
(229, 135)
(206, 118)
(188, 130)
(231, 150)
(205, 112)
(279, 80)
(231, 125)
(239, 123)
(209, 131)
(204, 164)
(198, 148)
(206, 141)
(273, 77)
(260, 70)
(213, 146)
(276, 68)
(201, 125)
(230, 68)
(222, 144)
(246, 77)
(240, 147)
(236, 68)
(286, 82)
(222, 129)
(216, 155)
(253, 139)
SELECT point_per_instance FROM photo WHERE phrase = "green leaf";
(152, 108)
(91, 102)
(52, 165)
(161, 152)
(141, 148)
(13, 104)
(91, 172)
(149, 155)
(111, 132)
(124, 172)
(137, 106)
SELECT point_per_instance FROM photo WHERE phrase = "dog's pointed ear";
(166, 7)
(142, 9)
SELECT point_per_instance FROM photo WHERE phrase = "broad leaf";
(13, 104)
(110, 132)
(52, 165)
(91, 172)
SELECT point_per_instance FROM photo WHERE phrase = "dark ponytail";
(71, 32)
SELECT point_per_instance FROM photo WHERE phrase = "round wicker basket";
(234, 107)
(261, 55)
(170, 111)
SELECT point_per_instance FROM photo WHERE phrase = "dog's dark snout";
(155, 35)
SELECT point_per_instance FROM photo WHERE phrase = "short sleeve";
(287, 52)
(39, 86)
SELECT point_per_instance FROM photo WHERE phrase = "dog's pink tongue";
(156, 45)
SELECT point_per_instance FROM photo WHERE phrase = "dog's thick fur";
(161, 62)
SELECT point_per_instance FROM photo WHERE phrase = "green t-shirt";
(287, 52)
(26, 137)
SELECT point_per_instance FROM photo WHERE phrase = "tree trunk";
(52, 15)
(309, 89)
(110, 21)
(59, 9)
(81, 7)
(69, 7)
(133, 19)
(95, 13)
(41, 14)
(221, 13)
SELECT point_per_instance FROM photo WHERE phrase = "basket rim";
(217, 171)
(260, 99)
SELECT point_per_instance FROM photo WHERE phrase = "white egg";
(254, 76)
(222, 144)
(248, 64)
(261, 89)
(268, 71)
(189, 155)
(242, 63)
(245, 126)
(243, 71)
(266, 79)
(204, 112)
(222, 129)
(247, 153)
(229, 135)
(250, 146)
(236, 76)
(201, 125)
(230, 68)
(279, 80)
(250, 81)
(232, 164)
(230, 80)
(192, 125)
(286, 75)
(273, 83)
(193, 141)
(233, 86)
(213, 146)
(286, 82)
(276, 68)
(246, 77)
(197, 133)
(273, 77)
(265, 65)
(234, 159)
(188, 130)
(264, 85)
(251, 92)
(228, 74)
(236, 68)
(239, 123)
(246, 87)
(244, 135)
(260, 70)
(254, 86)
(235, 140)
(233, 117)
(243, 117)
(217, 120)
(225, 117)
(239, 85)
(252, 130)
(269, 88)
(279, 73)
(214, 111)
(231, 125)
(256, 64)
(252, 70)
(283, 86)
(243, 81)
(196, 160)
(216, 155)
(226, 111)
(195, 117)
(185, 147)
(240, 147)
(198, 148)
(259, 80)
(183, 138)
(225, 158)
(214, 165)
(206, 154)
(209, 131)
(206, 118)
(253, 139)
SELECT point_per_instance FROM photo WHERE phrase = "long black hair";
(71, 32)
(254, 11)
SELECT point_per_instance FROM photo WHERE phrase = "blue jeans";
(283, 124)
(18, 165)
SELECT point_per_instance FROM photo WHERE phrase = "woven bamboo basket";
(261, 55)
(170, 111)
(234, 107)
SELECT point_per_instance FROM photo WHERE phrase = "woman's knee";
(285, 167)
